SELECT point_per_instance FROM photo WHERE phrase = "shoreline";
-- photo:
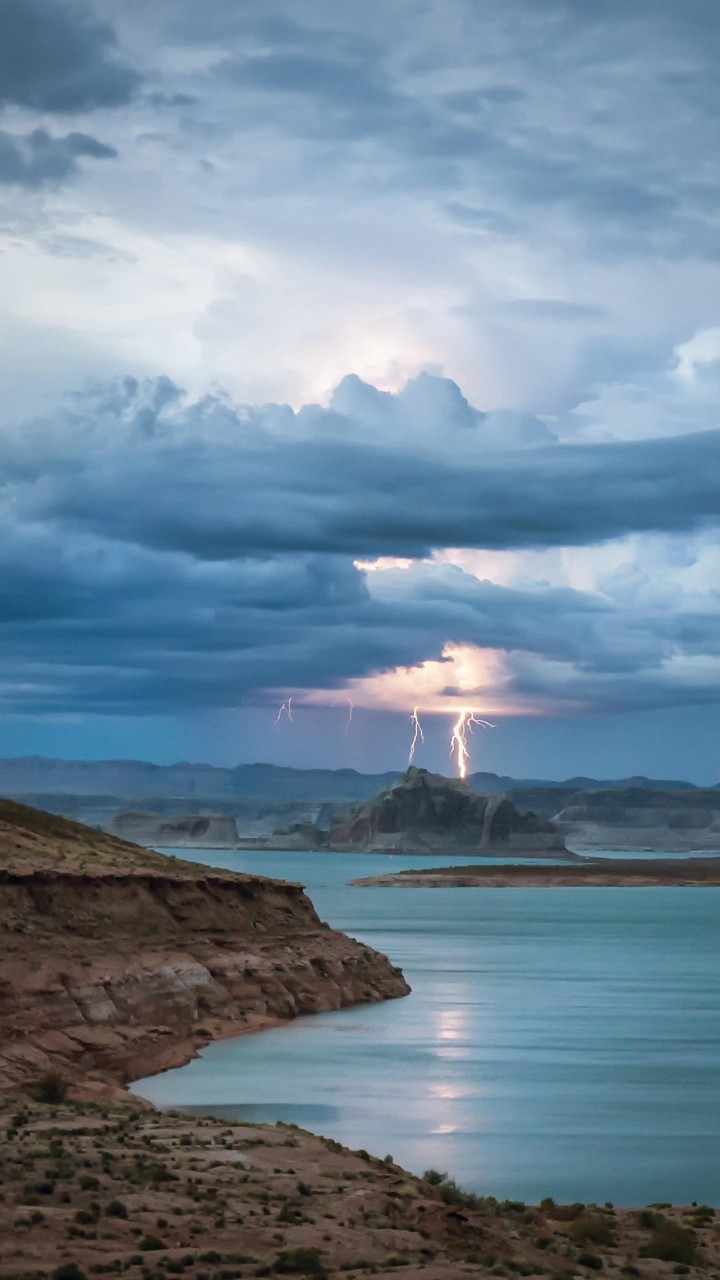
(691, 872)
(550, 855)
(187, 1050)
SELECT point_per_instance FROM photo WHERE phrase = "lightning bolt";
(418, 735)
(351, 708)
(459, 736)
(285, 707)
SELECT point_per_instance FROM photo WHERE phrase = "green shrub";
(150, 1243)
(306, 1262)
(116, 1209)
(671, 1243)
(51, 1088)
(593, 1228)
(590, 1260)
(85, 1217)
(68, 1271)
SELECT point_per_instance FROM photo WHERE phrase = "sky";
(366, 356)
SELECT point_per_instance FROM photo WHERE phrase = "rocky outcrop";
(114, 960)
(214, 831)
(671, 821)
(198, 831)
(426, 813)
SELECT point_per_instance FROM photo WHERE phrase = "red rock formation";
(111, 957)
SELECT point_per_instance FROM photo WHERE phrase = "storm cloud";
(161, 553)
(139, 464)
(497, 220)
(60, 57)
(38, 159)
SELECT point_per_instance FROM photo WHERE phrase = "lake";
(559, 1042)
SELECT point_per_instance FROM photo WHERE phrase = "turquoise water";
(557, 1042)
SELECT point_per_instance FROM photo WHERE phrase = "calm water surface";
(557, 1042)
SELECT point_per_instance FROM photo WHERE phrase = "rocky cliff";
(116, 962)
(187, 831)
(671, 821)
(425, 812)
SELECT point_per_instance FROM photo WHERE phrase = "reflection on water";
(558, 1041)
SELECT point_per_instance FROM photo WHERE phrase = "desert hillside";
(119, 1191)
(116, 961)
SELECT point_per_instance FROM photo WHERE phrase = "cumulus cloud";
(680, 397)
(219, 481)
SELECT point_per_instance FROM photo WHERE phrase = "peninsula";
(117, 962)
(590, 873)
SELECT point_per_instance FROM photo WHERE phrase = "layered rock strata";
(426, 813)
(116, 962)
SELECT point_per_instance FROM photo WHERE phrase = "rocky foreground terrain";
(116, 962)
(590, 873)
(103, 1190)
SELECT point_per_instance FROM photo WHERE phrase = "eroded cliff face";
(186, 831)
(633, 818)
(115, 962)
(425, 812)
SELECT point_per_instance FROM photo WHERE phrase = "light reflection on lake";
(558, 1041)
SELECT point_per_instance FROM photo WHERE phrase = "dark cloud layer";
(159, 555)
(57, 55)
(38, 159)
(216, 482)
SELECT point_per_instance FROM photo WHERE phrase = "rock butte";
(426, 813)
(419, 813)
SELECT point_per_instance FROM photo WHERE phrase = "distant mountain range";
(33, 775)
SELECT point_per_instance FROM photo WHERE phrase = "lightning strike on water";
(458, 738)
(418, 735)
(285, 707)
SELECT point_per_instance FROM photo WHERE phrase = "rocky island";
(426, 813)
(590, 872)
(117, 962)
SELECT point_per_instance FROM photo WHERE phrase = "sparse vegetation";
(51, 1088)
(306, 1262)
(671, 1243)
